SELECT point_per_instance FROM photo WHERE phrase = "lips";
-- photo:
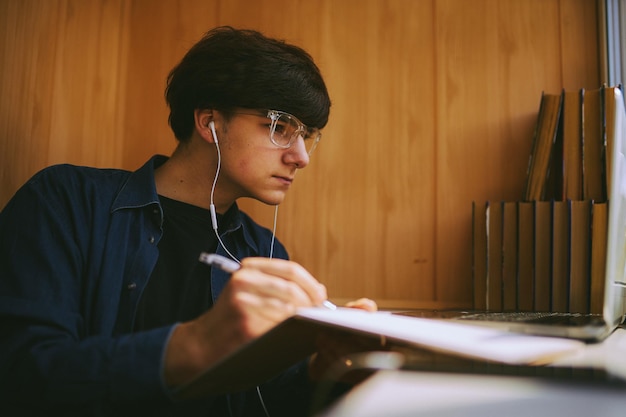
(286, 180)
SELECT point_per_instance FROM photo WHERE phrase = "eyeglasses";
(285, 129)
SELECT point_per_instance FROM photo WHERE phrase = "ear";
(202, 121)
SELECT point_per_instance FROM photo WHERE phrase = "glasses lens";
(311, 139)
(286, 129)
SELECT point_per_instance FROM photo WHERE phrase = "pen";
(230, 266)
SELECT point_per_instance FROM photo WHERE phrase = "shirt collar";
(140, 188)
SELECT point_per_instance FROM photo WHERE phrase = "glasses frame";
(307, 133)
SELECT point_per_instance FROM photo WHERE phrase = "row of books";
(568, 156)
(547, 251)
(540, 255)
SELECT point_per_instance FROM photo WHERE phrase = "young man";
(105, 308)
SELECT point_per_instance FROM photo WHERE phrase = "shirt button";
(132, 286)
(151, 239)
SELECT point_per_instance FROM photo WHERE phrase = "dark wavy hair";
(231, 68)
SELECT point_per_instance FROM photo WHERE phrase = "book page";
(294, 339)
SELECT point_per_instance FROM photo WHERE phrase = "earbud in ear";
(212, 127)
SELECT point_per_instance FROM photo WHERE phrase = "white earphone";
(212, 205)
(217, 173)
(212, 127)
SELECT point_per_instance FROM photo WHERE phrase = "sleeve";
(53, 354)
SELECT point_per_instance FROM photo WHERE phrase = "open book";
(294, 339)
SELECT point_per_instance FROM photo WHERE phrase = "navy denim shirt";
(77, 247)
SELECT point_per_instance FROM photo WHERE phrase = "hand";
(263, 293)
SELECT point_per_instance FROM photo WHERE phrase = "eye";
(281, 129)
(310, 134)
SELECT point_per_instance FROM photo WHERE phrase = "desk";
(445, 394)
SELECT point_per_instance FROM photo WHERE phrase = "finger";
(249, 311)
(260, 284)
(270, 311)
(363, 304)
(290, 271)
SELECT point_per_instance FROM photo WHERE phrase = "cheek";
(243, 166)
(252, 160)
(247, 168)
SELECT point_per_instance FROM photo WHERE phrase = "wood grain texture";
(434, 104)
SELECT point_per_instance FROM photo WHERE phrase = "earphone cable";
(212, 205)
(274, 231)
(258, 391)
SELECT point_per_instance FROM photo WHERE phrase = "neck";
(188, 176)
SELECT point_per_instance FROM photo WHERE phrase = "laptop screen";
(615, 289)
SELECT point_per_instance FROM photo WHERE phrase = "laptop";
(587, 327)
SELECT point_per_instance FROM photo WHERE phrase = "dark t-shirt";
(180, 286)
(179, 289)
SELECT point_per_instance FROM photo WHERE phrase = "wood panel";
(491, 71)
(63, 82)
(434, 103)
(580, 40)
(160, 34)
(493, 61)
(25, 91)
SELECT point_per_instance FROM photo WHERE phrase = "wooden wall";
(434, 104)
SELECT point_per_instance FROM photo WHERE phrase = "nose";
(297, 154)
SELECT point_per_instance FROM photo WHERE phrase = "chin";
(272, 200)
